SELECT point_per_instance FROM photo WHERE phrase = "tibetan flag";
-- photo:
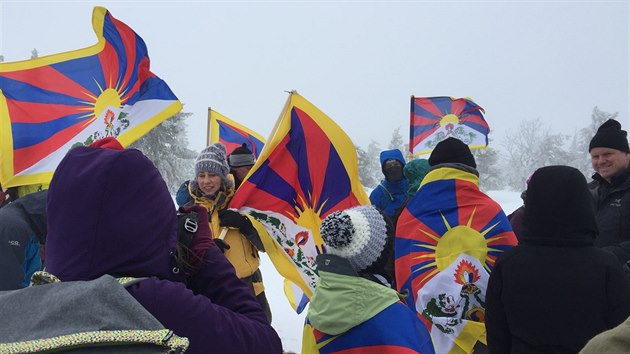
(307, 170)
(393, 330)
(52, 103)
(447, 239)
(297, 298)
(231, 134)
(434, 119)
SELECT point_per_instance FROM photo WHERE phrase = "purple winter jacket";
(110, 212)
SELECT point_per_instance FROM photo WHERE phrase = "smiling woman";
(213, 188)
(208, 182)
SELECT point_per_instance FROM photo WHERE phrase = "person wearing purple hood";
(110, 212)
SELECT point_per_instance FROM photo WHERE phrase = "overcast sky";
(360, 61)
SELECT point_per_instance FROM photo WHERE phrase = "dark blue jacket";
(22, 230)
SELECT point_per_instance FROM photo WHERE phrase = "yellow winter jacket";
(242, 253)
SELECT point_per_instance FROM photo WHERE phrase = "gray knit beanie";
(241, 156)
(212, 159)
(357, 234)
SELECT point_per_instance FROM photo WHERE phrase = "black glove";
(221, 244)
(231, 218)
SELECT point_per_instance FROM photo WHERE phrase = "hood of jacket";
(394, 154)
(558, 208)
(342, 299)
(415, 171)
(33, 207)
(109, 212)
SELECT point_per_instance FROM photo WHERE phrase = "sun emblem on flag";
(444, 250)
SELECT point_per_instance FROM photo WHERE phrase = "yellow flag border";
(7, 175)
(213, 127)
(281, 261)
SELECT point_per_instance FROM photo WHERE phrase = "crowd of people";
(107, 211)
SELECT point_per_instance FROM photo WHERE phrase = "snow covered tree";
(530, 147)
(578, 148)
(167, 146)
(365, 176)
(398, 142)
(369, 165)
(490, 177)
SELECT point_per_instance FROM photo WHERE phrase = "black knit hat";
(241, 156)
(451, 150)
(610, 135)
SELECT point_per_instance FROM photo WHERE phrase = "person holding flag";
(354, 309)
(447, 240)
(213, 188)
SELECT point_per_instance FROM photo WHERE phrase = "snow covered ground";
(288, 324)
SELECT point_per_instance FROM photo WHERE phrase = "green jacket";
(613, 341)
(342, 299)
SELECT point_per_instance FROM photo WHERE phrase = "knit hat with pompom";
(212, 159)
(357, 234)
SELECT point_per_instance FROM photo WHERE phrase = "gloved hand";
(202, 240)
(231, 218)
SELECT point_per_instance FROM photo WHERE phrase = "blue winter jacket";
(389, 196)
(183, 197)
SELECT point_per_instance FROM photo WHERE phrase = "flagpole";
(209, 126)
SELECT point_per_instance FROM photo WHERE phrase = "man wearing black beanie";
(610, 157)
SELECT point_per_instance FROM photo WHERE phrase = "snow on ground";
(289, 325)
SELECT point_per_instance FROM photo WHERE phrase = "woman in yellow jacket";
(213, 188)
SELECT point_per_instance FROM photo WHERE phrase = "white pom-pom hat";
(357, 234)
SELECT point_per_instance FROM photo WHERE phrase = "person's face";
(393, 170)
(208, 182)
(609, 162)
(242, 171)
